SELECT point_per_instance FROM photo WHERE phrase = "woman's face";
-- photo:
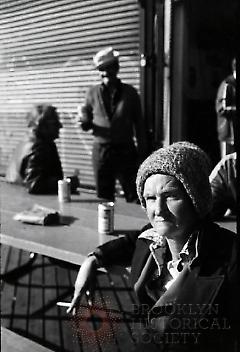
(169, 208)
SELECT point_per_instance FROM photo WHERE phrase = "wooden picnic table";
(12, 342)
(70, 241)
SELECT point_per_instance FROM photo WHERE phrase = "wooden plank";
(60, 254)
(35, 326)
(70, 341)
(50, 315)
(35, 314)
(52, 328)
(4, 258)
(21, 305)
(12, 342)
(8, 290)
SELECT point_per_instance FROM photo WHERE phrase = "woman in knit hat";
(184, 267)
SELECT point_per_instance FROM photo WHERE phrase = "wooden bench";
(12, 342)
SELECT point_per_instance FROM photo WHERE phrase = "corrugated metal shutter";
(46, 56)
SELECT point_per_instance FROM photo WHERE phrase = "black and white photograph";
(119, 175)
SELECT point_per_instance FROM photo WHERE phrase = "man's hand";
(85, 281)
(74, 183)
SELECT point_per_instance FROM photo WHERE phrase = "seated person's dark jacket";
(37, 165)
(204, 299)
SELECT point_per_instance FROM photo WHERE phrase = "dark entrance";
(187, 47)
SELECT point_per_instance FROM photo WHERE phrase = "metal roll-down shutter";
(46, 56)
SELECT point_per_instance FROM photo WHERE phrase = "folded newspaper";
(39, 215)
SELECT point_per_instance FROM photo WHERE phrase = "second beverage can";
(64, 190)
(106, 218)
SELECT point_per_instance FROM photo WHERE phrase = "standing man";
(112, 110)
(226, 112)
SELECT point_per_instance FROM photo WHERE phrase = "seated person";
(183, 265)
(35, 162)
(223, 179)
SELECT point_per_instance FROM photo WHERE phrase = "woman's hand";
(85, 281)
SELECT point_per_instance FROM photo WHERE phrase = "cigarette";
(89, 301)
(68, 304)
(63, 304)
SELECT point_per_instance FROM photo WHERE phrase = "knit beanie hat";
(189, 164)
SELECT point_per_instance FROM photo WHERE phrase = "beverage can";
(106, 218)
(64, 190)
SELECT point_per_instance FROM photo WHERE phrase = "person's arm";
(140, 130)
(221, 181)
(115, 252)
(87, 112)
(223, 106)
(85, 281)
(219, 196)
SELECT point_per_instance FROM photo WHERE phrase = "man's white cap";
(105, 57)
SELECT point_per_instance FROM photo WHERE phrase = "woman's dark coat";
(201, 310)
